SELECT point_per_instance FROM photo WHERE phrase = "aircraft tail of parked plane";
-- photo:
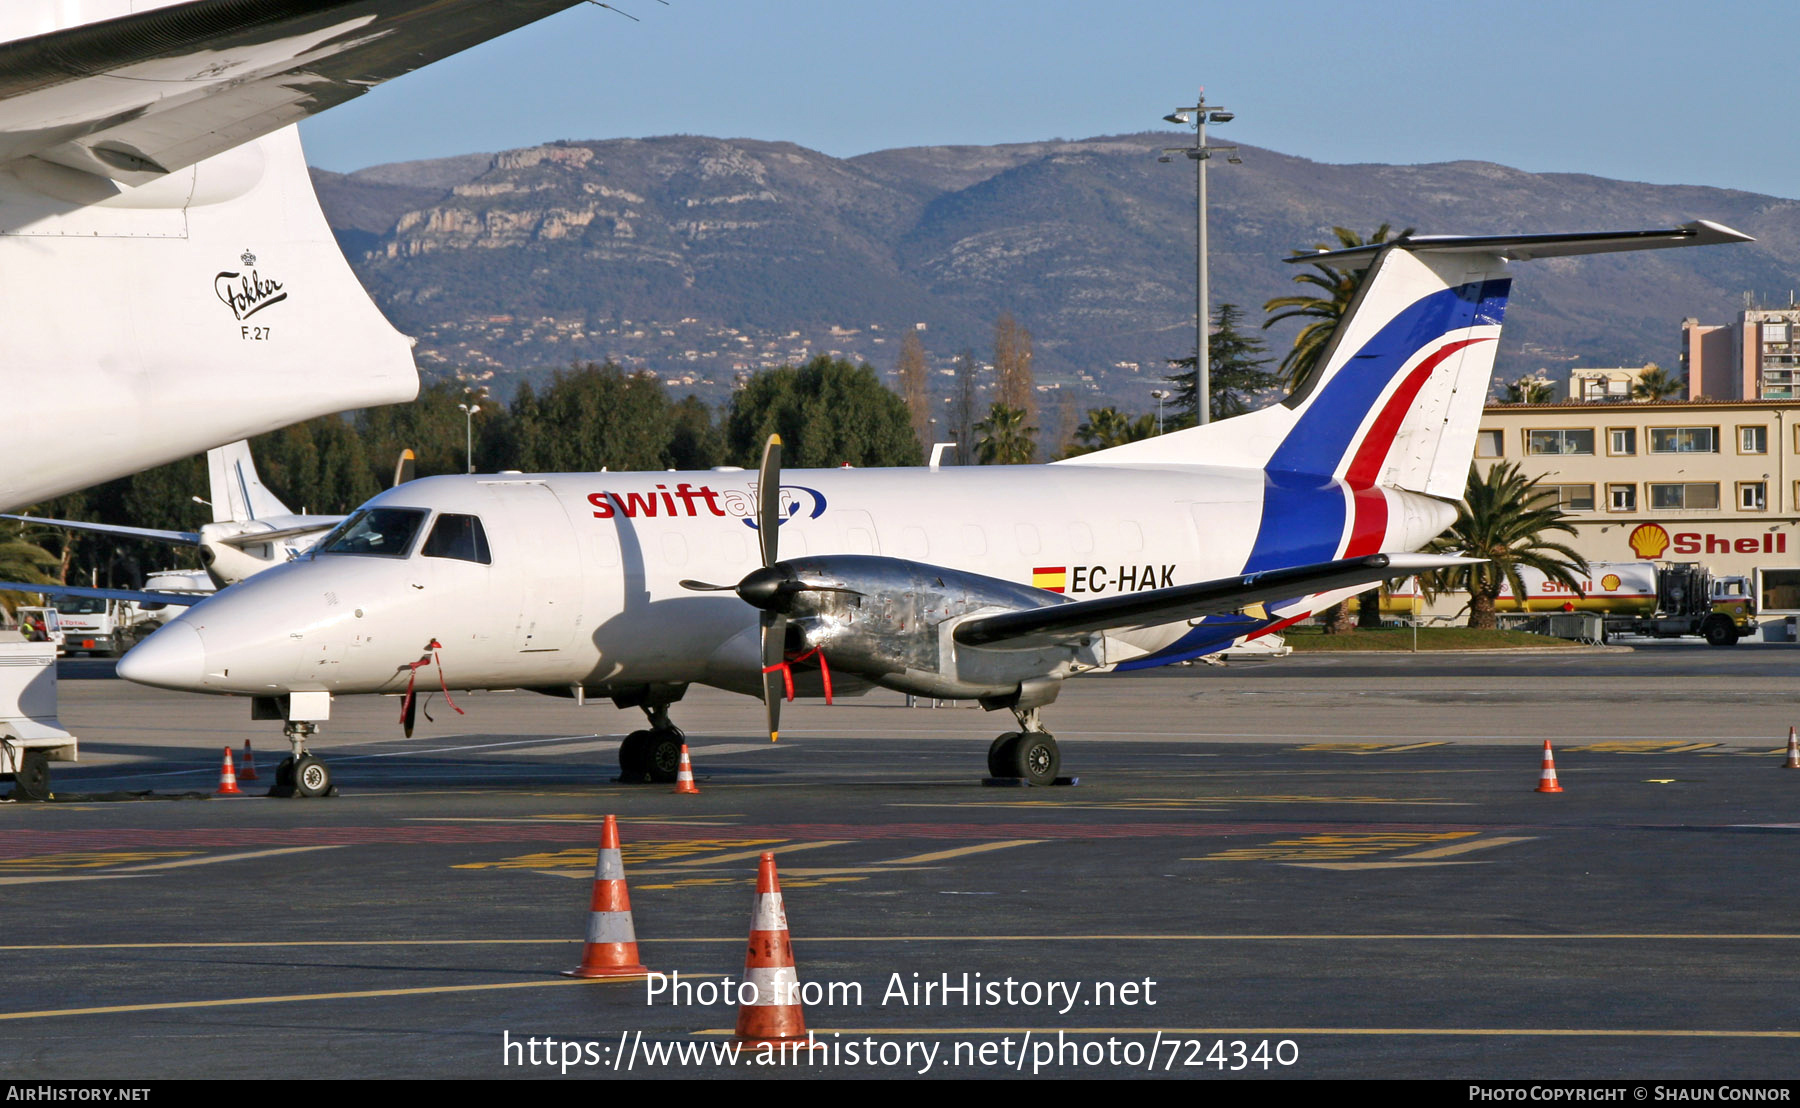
(159, 236)
(1399, 394)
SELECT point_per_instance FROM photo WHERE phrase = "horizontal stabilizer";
(136, 97)
(251, 538)
(174, 538)
(1056, 622)
(135, 596)
(1518, 248)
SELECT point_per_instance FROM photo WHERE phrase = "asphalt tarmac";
(1330, 867)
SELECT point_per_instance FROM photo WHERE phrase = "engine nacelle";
(889, 621)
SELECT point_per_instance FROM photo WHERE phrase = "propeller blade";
(404, 468)
(768, 500)
(774, 650)
(702, 586)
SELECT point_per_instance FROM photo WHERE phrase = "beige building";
(1684, 481)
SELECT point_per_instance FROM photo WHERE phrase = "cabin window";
(388, 532)
(459, 537)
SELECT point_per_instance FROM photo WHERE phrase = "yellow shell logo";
(1610, 582)
(1649, 541)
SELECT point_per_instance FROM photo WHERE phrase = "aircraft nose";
(173, 658)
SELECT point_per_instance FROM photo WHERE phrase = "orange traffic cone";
(249, 762)
(611, 949)
(228, 778)
(684, 776)
(773, 1016)
(1547, 779)
(1793, 752)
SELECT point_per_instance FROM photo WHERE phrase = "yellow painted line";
(1448, 1032)
(1376, 865)
(1536, 937)
(181, 1005)
(209, 860)
(1465, 847)
(1690, 747)
(959, 852)
(747, 855)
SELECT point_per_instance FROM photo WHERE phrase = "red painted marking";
(1274, 627)
(1368, 526)
(1366, 466)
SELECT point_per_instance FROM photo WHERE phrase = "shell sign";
(1649, 541)
(1610, 582)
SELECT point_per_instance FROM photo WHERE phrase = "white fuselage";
(583, 589)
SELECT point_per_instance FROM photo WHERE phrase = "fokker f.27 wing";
(1056, 623)
(138, 96)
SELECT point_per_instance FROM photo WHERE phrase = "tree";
(433, 428)
(1656, 383)
(1233, 371)
(1503, 518)
(1004, 438)
(828, 412)
(1014, 384)
(964, 406)
(1108, 427)
(1530, 390)
(24, 561)
(696, 441)
(591, 417)
(915, 385)
(1323, 312)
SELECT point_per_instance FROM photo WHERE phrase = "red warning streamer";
(434, 646)
(787, 671)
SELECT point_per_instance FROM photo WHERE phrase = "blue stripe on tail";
(1322, 436)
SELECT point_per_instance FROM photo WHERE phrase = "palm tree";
(23, 561)
(1003, 438)
(1657, 383)
(1530, 390)
(1340, 286)
(1503, 518)
(1108, 427)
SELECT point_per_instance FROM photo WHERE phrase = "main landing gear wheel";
(1033, 755)
(650, 756)
(1000, 755)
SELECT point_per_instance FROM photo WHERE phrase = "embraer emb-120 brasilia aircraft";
(988, 582)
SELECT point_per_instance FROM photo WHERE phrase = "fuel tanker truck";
(1655, 599)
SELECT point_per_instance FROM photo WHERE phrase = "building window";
(1488, 444)
(1570, 498)
(1621, 440)
(1689, 496)
(1621, 498)
(1780, 589)
(1753, 496)
(1561, 441)
(1753, 440)
(1684, 440)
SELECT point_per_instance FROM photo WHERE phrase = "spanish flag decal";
(1050, 578)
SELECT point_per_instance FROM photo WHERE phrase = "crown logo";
(247, 258)
(1649, 541)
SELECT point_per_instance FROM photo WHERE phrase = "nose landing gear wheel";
(311, 778)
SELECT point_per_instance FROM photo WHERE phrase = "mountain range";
(702, 258)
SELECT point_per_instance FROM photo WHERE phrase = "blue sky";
(1651, 91)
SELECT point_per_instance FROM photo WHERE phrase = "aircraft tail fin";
(1398, 399)
(238, 494)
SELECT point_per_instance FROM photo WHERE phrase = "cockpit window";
(457, 537)
(385, 531)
